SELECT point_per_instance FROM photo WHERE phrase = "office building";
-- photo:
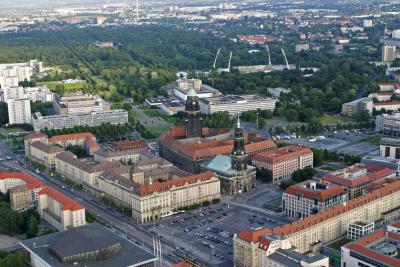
(88, 245)
(388, 124)
(117, 116)
(236, 104)
(388, 53)
(377, 249)
(60, 211)
(22, 187)
(34, 94)
(19, 111)
(151, 199)
(356, 106)
(78, 102)
(183, 85)
(312, 232)
(389, 148)
(310, 197)
(172, 107)
(357, 176)
(235, 175)
(360, 228)
(284, 161)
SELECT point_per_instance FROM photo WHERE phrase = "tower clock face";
(193, 103)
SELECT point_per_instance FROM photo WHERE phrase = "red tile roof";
(327, 214)
(253, 235)
(147, 189)
(283, 153)
(388, 103)
(129, 144)
(361, 246)
(35, 135)
(374, 172)
(31, 182)
(66, 202)
(65, 137)
(309, 193)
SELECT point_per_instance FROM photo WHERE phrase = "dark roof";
(92, 238)
(82, 239)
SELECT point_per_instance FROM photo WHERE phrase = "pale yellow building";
(60, 211)
(312, 232)
(153, 199)
(44, 153)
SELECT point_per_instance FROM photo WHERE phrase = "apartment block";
(34, 94)
(117, 116)
(60, 211)
(44, 153)
(358, 176)
(310, 197)
(388, 124)
(19, 111)
(356, 106)
(284, 161)
(236, 104)
(312, 232)
(360, 228)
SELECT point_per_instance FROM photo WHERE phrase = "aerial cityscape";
(193, 133)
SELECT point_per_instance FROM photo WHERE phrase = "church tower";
(238, 156)
(193, 118)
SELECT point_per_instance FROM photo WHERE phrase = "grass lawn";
(374, 140)
(327, 168)
(68, 87)
(330, 119)
(339, 243)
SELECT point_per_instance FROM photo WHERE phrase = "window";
(397, 154)
(387, 151)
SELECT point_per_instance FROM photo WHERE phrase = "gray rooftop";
(86, 238)
(293, 258)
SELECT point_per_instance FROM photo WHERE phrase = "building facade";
(19, 111)
(388, 124)
(235, 104)
(77, 102)
(357, 106)
(312, 232)
(60, 211)
(116, 116)
(389, 148)
(284, 161)
(310, 197)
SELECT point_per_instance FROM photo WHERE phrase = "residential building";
(44, 153)
(357, 176)
(310, 197)
(388, 124)
(377, 249)
(98, 246)
(312, 232)
(22, 187)
(190, 145)
(172, 107)
(152, 199)
(388, 53)
(128, 145)
(60, 211)
(389, 148)
(19, 111)
(360, 228)
(367, 23)
(126, 156)
(77, 102)
(284, 161)
(387, 106)
(301, 48)
(235, 175)
(116, 116)
(236, 104)
(13, 73)
(34, 94)
(356, 106)
(82, 172)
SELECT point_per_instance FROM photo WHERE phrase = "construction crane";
(284, 55)
(216, 57)
(229, 64)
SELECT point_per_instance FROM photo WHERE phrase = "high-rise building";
(19, 111)
(193, 120)
(388, 53)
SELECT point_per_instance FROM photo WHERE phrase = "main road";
(120, 224)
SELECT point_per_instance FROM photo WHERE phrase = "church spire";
(238, 156)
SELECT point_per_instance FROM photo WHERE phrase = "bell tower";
(238, 155)
(193, 117)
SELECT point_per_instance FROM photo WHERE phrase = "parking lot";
(207, 233)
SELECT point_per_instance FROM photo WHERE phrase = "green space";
(68, 87)
(15, 144)
(34, 164)
(326, 119)
(272, 205)
(157, 130)
(327, 168)
(374, 140)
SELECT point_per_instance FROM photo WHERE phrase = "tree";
(127, 107)
(303, 174)
(32, 227)
(264, 175)
(77, 150)
(318, 157)
(315, 126)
